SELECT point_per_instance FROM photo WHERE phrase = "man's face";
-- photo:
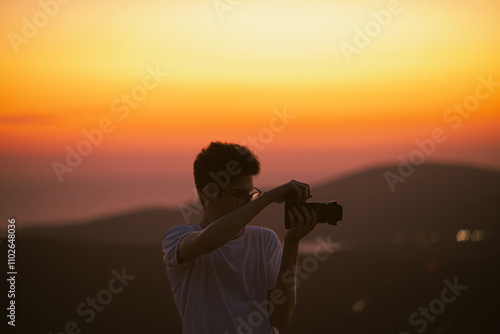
(228, 200)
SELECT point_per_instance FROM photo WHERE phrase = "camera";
(330, 212)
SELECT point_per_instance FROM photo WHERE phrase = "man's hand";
(301, 223)
(302, 191)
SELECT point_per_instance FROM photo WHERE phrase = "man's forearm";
(287, 284)
(225, 228)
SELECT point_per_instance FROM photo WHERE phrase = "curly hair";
(218, 157)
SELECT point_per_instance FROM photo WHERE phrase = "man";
(225, 275)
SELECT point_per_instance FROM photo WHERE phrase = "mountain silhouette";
(435, 200)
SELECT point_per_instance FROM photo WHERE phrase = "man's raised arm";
(225, 228)
(222, 230)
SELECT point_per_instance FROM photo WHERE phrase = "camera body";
(330, 212)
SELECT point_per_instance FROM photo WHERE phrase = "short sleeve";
(170, 244)
(273, 260)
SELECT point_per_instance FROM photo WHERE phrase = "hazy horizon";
(116, 200)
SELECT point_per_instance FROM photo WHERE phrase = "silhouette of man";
(224, 275)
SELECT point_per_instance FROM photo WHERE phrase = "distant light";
(463, 235)
(477, 235)
(359, 306)
(435, 237)
(398, 238)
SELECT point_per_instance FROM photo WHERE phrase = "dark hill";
(435, 199)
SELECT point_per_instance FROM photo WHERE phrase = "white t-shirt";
(225, 291)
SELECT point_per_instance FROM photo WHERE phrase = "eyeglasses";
(245, 198)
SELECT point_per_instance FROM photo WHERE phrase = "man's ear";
(210, 192)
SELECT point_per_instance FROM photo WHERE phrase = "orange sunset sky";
(67, 67)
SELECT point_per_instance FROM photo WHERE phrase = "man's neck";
(206, 219)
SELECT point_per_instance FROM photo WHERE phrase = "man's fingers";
(300, 218)
(314, 218)
(299, 193)
(303, 191)
(311, 219)
(306, 192)
(307, 214)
